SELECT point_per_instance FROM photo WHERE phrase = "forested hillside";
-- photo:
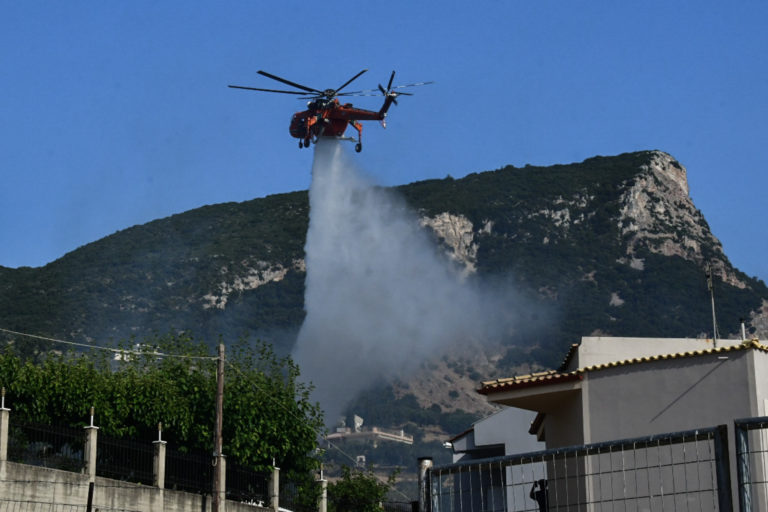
(576, 238)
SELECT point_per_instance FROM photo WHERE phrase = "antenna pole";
(711, 286)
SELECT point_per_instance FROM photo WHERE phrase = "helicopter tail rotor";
(388, 90)
(394, 94)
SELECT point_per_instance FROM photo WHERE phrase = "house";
(502, 433)
(610, 388)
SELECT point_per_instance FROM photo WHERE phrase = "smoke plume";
(380, 297)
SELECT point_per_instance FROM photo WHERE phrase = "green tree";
(268, 415)
(358, 491)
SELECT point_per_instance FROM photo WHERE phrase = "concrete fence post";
(322, 506)
(222, 468)
(274, 490)
(158, 462)
(91, 437)
(425, 501)
(5, 416)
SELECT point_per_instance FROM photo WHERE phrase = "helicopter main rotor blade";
(288, 82)
(412, 85)
(365, 92)
(265, 90)
(349, 81)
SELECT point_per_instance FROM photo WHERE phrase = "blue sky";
(117, 113)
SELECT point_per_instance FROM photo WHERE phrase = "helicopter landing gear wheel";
(358, 147)
(301, 144)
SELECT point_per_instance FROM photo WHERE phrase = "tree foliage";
(267, 412)
(358, 491)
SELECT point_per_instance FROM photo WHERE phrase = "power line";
(108, 349)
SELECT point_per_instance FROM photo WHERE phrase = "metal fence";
(190, 472)
(51, 447)
(293, 497)
(131, 461)
(246, 485)
(124, 459)
(400, 506)
(682, 471)
(752, 463)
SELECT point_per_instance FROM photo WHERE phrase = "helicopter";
(326, 116)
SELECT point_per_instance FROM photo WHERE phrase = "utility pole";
(218, 457)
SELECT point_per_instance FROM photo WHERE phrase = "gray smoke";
(380, 297)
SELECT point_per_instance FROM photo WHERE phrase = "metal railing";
(686, 471)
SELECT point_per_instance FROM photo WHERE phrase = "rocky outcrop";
(250, 277)
(456, 232)
(657, 213)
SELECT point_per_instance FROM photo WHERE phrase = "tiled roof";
(747, 344)
(558, 376)
(522, 381)
(571, 352)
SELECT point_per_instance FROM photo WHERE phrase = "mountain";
(612, 245)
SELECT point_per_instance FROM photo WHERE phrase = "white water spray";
(380, 298)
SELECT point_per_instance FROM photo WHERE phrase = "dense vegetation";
(267, 412)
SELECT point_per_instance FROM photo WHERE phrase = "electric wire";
(109, 349)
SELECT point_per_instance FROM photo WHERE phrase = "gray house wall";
(760, 384)
(668, 396)
(675, 395)
(563, 425)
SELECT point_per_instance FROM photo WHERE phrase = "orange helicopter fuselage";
(331, 118)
